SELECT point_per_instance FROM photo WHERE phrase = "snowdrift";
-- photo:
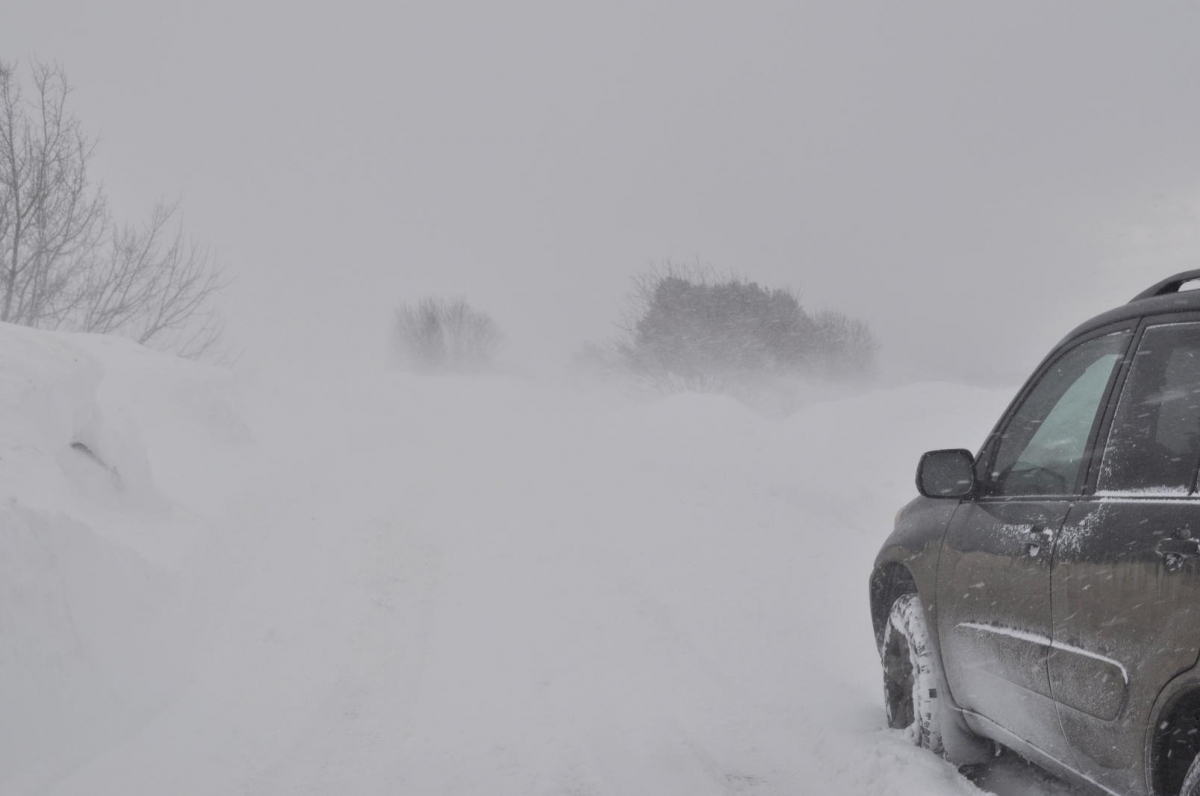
(341, 582)
(96, 610)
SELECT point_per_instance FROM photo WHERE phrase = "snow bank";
(393, 584)
(95, 606)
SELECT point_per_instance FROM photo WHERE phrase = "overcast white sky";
(972, 178)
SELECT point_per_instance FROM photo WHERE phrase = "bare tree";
(445, 334)
(64, 263)
(51, 217)
(153, 285)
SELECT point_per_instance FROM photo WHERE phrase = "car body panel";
(916, 544)
(994, 617)
(1126, 622)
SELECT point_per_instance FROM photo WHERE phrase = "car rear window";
(1154, 444)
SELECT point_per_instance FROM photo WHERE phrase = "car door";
(993, 595)
(1125, 579)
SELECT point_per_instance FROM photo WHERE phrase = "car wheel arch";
(889, 581)
(1173, 733)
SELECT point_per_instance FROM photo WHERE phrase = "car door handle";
(1176, 551)
(1039, 535)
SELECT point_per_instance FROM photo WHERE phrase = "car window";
(1042, 447)
(1154, 445)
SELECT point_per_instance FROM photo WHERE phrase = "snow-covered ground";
(340, 581)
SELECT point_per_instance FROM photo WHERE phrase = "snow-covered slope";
(337, 582)
(97, 615)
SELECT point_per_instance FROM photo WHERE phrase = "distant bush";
(440, 334)
(844, 346)
(687, 329)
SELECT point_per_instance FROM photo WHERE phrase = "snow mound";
(95, 604)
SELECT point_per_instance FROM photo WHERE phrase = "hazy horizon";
(972, 181)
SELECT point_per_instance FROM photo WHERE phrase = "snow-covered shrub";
(444, 334)
(845, 347)
(690, 330)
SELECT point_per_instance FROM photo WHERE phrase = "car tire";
(911, 675)
(1191, 783)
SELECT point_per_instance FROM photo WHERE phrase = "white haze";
(922, 165)
(318, 576)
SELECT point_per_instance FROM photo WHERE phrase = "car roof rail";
(1171, 284)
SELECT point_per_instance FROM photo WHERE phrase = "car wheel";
(911, 673)
(1191, 783)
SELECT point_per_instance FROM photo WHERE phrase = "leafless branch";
(63, 262)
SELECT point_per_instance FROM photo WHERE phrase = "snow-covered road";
(384, 584)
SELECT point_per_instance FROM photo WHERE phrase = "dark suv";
(1044, 594)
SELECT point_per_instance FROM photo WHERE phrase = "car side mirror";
(946, 474)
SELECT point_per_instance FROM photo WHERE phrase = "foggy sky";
(973, 179)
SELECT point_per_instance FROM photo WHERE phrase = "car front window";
(1041, 450)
